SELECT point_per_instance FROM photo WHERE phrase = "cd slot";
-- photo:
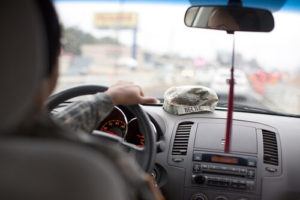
(223, 173)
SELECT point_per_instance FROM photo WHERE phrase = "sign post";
(119, 21)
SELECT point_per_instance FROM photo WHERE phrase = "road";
(283, 97)
(280, 97)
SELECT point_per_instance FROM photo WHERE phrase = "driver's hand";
(127, 93)
(154, 188)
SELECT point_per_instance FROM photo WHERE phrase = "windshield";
(148, 44)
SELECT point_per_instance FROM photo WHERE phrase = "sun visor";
(189, 99)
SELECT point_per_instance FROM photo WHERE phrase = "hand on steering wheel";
(146, 156)
(127, 93)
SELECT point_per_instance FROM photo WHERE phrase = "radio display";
(224, 159)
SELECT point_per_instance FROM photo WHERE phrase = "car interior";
(247, 148)
(41, 168)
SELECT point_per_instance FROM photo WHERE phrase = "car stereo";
(214, 170)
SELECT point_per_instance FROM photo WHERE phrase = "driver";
(82, 117)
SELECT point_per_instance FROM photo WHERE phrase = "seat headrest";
(22, 59)
(51, 169)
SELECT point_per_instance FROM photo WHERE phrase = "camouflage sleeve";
(86, 115)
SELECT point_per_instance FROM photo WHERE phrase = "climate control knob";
(199, 196)
(198, 179)
(221, 198)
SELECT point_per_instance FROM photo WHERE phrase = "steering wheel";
(144, 156)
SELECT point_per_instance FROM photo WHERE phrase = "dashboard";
(262, 163)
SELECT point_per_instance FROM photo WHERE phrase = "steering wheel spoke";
(136, 151)
(107, 136)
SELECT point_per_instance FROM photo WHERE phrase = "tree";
(74, 38)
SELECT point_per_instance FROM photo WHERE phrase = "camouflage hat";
(190, 99)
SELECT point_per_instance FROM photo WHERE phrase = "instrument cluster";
(124, 126)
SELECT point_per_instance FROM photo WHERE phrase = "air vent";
(270, 147)
(181, 140)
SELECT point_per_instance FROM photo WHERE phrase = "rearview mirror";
(229, 18)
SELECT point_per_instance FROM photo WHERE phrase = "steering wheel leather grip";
(146, 156)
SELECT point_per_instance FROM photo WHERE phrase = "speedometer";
(115, 127)
(115, 123)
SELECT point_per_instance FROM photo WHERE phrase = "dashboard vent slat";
(181, 140)
(270, 147)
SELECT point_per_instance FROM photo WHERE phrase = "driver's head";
(53, 35)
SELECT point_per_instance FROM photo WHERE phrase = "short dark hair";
(53, 32)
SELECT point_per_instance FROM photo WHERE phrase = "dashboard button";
(197, 157)
(196, 168)
(251, 173)
(243, 171)
(224, 168)
(234, 170)
(213, 167)
(198, 179)
(251, 163)
(204, 166)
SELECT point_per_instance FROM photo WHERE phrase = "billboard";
(123, 20)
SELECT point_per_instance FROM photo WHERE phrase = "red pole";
(230, 103)
(229, 112)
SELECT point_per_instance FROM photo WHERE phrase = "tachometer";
(134, 136)
(115, 127)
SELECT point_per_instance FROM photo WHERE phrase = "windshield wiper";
(251, 109)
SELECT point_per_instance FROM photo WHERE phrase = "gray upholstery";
(42, 170)
(35, 168)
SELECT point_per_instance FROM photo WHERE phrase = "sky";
(162, 30)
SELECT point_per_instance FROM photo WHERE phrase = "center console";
(209, 172)
(222, 172)
(201, 170)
